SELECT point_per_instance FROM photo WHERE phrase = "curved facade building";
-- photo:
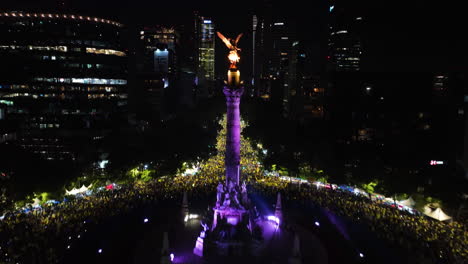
(62, 79)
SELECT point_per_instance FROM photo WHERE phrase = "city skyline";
(398, 31)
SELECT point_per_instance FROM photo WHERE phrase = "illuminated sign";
(206, 21)
(279, 24)
(331, 8)
(436, 162)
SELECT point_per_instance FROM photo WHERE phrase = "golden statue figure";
(232, 46)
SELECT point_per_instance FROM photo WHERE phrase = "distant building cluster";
(69, 79)
(281, 68)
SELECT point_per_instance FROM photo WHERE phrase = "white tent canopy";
(75, 191)
(36, 202)
(408, 202)
(436, 213)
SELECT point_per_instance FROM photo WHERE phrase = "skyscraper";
(274, 38)
(66, 78)
(303, 97)
(205, 53)
(344, 43)
(158, 49)
(282, 39)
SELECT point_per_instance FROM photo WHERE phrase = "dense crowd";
(425, 239)
(39, 236)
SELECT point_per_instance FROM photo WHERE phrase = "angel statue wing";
(225, 40)
(238, 38)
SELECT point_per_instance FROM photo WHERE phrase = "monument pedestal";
(230, 215)
(229, 234)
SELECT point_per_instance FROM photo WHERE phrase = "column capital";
(233, 94)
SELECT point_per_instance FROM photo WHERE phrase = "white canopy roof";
(408, 202)
(436, 213)
(75, 191)
(36, 202)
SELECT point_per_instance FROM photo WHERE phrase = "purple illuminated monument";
(229, 233)
(235, 233)
(233, 92)
(232, 159)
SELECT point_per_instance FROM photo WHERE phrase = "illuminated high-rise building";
(158, 58)
(282, 66)
(344, 43)
(261, 37)
(205, 52)
(65, 80)
(282, 39)
(160, 49)
(273, 43)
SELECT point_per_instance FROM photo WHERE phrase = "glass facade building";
(344, 43)
(206, 47)
(64, 76)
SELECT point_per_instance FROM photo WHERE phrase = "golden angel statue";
(232, 46)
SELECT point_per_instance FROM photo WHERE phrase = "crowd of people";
(425, 239)
(39, 236)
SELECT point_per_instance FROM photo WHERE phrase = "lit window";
(81, 80)
(105, 52)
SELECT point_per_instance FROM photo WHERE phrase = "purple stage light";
(274, 219)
